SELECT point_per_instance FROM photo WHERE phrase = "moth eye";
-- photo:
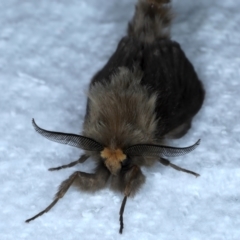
(125, 162)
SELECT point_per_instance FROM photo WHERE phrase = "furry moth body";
(147, 92)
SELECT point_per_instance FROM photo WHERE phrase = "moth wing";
(169, 73)
(128, 54)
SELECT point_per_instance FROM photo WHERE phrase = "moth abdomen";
(151, 20)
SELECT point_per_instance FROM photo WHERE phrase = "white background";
(49, 50)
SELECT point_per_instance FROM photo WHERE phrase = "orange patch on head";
(113, 159)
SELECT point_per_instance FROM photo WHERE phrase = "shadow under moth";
(147, 92)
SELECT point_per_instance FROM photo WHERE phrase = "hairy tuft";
(151, 20)
(121, 112)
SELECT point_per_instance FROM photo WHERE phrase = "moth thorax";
(113, 159)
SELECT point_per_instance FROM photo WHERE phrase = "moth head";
(114, 159)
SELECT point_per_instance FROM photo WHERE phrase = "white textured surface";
(49, 50)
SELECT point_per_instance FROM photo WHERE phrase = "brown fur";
(113, 159)
(121, 112)
(151, 20)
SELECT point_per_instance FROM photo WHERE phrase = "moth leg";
(87, 181)
(82, 159)
(168, 163)
(133, 175)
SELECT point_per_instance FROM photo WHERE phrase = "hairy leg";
(87, 181)
(168, 163)
(82, 159)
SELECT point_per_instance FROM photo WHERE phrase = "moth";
(147, 92)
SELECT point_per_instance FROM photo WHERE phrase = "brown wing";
(168, 72)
